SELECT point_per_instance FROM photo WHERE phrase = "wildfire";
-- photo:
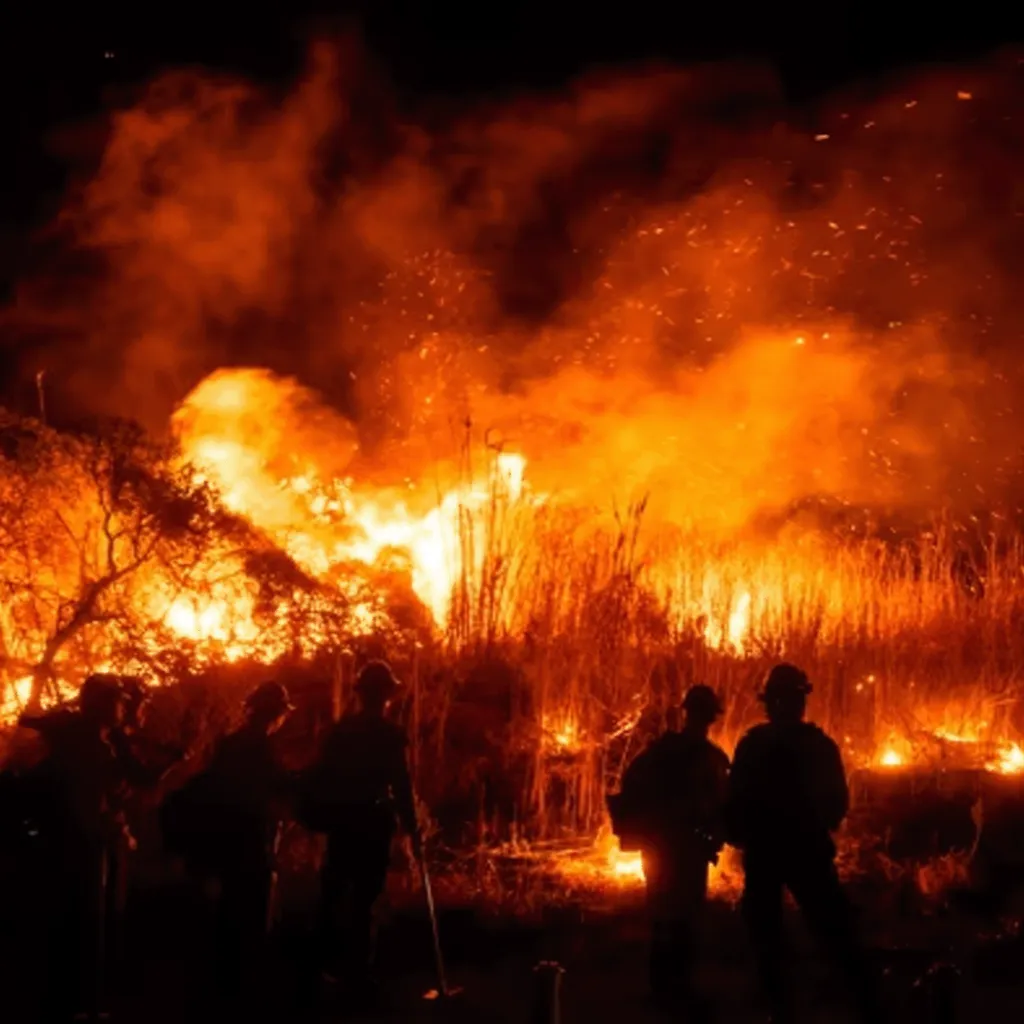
(562, 733)
(725, 353)
(604, 866)
(1010, 760)
(1005, 757)
(323, 520)
(735, 634)
(15, 697)
(626, 866)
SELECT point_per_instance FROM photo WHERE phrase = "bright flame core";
(321, 520)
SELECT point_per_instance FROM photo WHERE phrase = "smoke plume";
(659, 282)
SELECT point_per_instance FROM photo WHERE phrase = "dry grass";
(604, 623)
(574, 632)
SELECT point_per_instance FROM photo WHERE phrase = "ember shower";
(655, 369)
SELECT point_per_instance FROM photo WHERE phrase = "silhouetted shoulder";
(753, 739)
(819, 740)
(638, 772)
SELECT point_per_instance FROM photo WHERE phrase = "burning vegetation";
(612, 394)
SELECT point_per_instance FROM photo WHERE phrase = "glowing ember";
(891, 759)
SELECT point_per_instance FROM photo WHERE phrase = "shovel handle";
(442, 983)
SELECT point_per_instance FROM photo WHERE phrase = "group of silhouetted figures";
(779, 802)
(72, 814)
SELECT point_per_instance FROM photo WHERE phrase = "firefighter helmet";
(377, 680)
(785, 682)
(269, 700)
(702, 701)
(101, 697)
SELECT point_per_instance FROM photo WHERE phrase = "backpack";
(630, 809)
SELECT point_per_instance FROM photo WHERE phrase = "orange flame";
(323, 520)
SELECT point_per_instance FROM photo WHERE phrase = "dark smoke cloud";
(664, 280)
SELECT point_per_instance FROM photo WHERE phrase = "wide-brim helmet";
(377, 680)
(703, 701)
(100, 695)
(784, 682)
(269, 700)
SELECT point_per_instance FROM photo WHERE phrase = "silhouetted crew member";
(143, 765)
(787, 794)
(82, 822)
(250, 789)
(675, 794)
(361, 782)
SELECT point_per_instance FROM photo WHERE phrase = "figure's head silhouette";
(100, 701)
(376, 687)
(267, 706)
(702, 707)
(785, 694)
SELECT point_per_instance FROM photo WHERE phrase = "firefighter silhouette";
(671, 807)
(143, 765)
(79, 784)
(787, 795)
(248, 790)
(357, 786)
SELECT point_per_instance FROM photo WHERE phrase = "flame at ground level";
(963, 750)
(603, 865)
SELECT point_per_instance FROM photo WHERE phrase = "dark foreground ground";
(600, 941)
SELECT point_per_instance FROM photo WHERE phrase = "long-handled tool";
(272, 891)
(443, 991)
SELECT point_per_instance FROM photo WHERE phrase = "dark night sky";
(55, 71)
